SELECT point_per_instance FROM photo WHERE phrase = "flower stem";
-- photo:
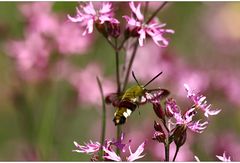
(146, 8)
(167, 145)
(103, 116)
(130, 65)
(176, 152)
(156, 12)
(117, 68)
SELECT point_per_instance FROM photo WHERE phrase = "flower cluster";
(46, 33)
(89, 16)
(176, 123)
(153, 28)
(199, 101)
(103, 18)
(93, 148)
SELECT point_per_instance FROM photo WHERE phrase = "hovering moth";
(134, 96)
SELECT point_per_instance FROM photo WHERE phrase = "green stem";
(156, 12)
(176, 152)
(130, 65)
(167, 145)
(117, 69)
(48, 121)
(103, 117)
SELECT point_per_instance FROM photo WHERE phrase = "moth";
(128, 101)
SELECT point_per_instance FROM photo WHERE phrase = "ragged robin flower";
(224, 158)
(88, 16)
(153, 28)
(200, 102)
(93, 149)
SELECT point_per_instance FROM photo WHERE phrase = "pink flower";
(85, 83)
(152, 29)
(88, 16)
(40, 17)
(109, 153)
(200, 102)
(31, 56)
(187, 120)
(171, 107)
(70, 40)
(89, 148)
(224, 158)
(137, 154)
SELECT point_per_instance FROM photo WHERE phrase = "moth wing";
(155, 95)
(113, 99)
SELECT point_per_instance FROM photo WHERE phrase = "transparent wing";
(113, 99)
(154, 95)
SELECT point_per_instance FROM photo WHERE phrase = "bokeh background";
(49, 95)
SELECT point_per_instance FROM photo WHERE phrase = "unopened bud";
(101, 28)
(158, 110)
(180, 135)
(159, 136)
(113, 29)
(158, 127)
(131, 32)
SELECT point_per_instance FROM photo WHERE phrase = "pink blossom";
(200, 101)
(153, 29)
(224, 158)
(86, 85)
(172, 107)
(109, 153)
(31, 56)
(88, 16)
(89, 148)
(187, 120)
(69, 39)
(137, 154)
(40, 17)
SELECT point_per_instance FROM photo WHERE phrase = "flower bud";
(101, 28)
(157, 127)
(113, 29)
(180, 135)
(158, 110)
(159, 136)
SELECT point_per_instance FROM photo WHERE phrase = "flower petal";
(137, 154)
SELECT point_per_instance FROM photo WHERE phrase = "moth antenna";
(135, 78)
(153, 79)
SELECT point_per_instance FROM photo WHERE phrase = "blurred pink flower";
(224, 158)
(152, 29)
(89, 16)
(86, 85)
(31, 56)
(64, 36)
(70, 40)
(227, 141)
(200, 102)
(40, 17)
